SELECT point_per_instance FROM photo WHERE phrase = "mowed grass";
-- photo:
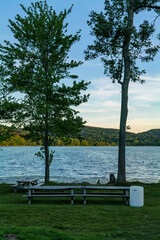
(101, 218)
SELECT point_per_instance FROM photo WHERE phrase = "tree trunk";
(122, 134)
(46, 144)
(46, 164)
(124, 99)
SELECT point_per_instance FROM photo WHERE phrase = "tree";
(8, 108)
(120, 43)
(38, 65)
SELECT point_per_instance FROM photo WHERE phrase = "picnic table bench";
(77, 191)
(21, 184)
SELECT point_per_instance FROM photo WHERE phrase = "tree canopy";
(112, 29)
(38, 65)
(119, 43)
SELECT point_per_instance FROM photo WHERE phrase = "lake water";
(80, 164)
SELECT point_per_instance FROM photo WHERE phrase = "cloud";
(86, 110)
(145, 93)
(149, 78)
(103, 88)
(112, 104)
(103, 107)
(147, 98)
(143, 124)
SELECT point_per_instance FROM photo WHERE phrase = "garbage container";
(136, 196)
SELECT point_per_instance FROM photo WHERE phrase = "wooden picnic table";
(21, 184)
(78, 191)
(26, 183)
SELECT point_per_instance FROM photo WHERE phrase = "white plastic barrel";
(136, 196)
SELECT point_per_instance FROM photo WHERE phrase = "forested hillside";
(151, 137)
(89, 136)
(109, 137)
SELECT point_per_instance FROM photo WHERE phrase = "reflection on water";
(78, 164)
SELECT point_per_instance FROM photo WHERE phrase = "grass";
(100, 219)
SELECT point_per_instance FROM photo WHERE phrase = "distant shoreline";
(72, 183)
(89, 136)
(79, 146)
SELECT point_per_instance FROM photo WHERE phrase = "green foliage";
(41, 155)
(8, 108)
(111, 30)
(149, 138)
(8, 104)
(110, 137)
(5, 133)
(120, 43)
(91, 136)
(37, 65)
(10, 136)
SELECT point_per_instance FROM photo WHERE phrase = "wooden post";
(84, 196)
(30, 198)
(127, 198)
(112, 178)
(72, 196)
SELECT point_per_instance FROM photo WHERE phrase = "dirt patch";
(10, 237)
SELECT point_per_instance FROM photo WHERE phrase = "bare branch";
(153, 7)
(156, 19)
(147, 6)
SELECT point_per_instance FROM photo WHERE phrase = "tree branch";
(147, 6)
(120, 82)
(153, 7)
(156, 19)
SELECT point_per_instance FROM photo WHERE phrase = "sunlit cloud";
(86, 110)
(112, 104)
(147, 98)
(143, 124)
(149, 78)
(103, 108)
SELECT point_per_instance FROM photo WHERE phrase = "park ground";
(100, 219)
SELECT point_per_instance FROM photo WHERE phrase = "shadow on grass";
(60, 201)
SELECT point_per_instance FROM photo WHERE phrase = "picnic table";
(21, 184)
(77, 191)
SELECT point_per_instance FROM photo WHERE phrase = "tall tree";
(120, 43)
(38, 66)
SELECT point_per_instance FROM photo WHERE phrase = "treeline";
(89, 136)
(110, 137)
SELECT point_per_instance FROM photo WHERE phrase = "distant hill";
(149, 138)
(155, 132)
(90, 136)
(100, 136)
(108, 136)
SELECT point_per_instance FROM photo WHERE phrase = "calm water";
(78, 164)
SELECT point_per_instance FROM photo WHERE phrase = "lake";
(80, 164)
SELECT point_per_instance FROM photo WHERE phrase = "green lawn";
(57, 219)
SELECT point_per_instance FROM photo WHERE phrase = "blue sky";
(103, 107)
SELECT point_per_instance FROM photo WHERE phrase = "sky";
(103, 107)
